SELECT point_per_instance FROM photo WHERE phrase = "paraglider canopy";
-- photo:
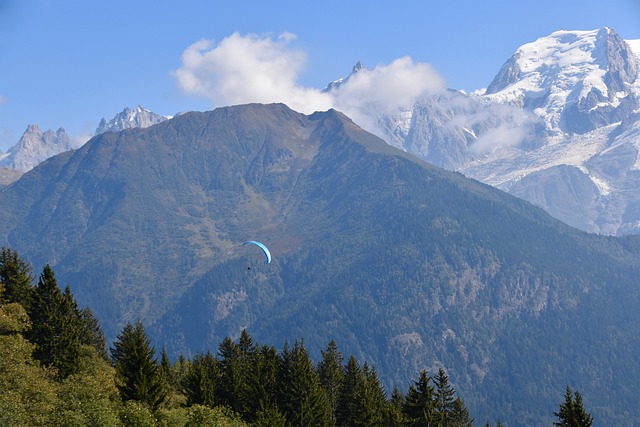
(267, 254)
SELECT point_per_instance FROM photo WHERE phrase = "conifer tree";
(572, 412)
(301, 397)
(459, 415)
(444, 397)
(261, 386)
(239, 388)
(331, 373)
(246, 344)
(269, 416)
(199, 383)
(57, 325)
(246, 368)
(374, 398)
(166, 369)
(419, 406)
(92, 333)
(231, 377)
(15, 275)
(137, 370)
(350, 402)
(179, 370)
(362, 401)
(393, 409)
(583, 418)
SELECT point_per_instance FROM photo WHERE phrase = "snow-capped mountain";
(577, 81)
(558, 126)
(34, 147)
(137, 118)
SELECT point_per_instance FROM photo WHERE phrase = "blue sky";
(68, 63)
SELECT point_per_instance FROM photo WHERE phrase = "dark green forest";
(56, 370)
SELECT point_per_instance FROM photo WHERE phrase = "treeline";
(55, 370)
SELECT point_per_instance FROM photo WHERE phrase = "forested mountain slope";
(406, 265)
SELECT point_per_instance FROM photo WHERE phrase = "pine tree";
(261, 385)
(301, 397)
(199, 383)
(15, 275)
(583, 418)
(444, 397)
(572, 412)
(459, 415)
(419, 407)
(350, 395)
(246, 368)
(137, 371)
(179, 370)
(374, 398)
(269, 416)
(331, 373)
(57, 325)
(239, 384)
(393, 409)
(231, 377)
(92, 334)
(362, 401)
(165, 367)
(565, 413)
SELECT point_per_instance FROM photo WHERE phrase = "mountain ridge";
(393, 257)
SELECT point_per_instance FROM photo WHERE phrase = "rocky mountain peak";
(33, 130)
(337, 83)
(34, 147)
(621, 63)
(508, 75)
(139, 117)
(576, 81)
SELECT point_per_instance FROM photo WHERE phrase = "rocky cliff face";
(34, 147)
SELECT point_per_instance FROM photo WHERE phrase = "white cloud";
(2, 99)
(389, 86)
(385, 89)
(243, 69)
(499, 137)
(496, 126)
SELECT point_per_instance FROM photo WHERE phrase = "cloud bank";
(260, 68)
(242, 69)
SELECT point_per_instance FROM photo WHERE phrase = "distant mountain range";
(406, 265)
(35, 146)
(559, 126)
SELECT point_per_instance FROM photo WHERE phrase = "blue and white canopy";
(261, 246)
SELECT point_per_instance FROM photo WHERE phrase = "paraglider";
(267, 254)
